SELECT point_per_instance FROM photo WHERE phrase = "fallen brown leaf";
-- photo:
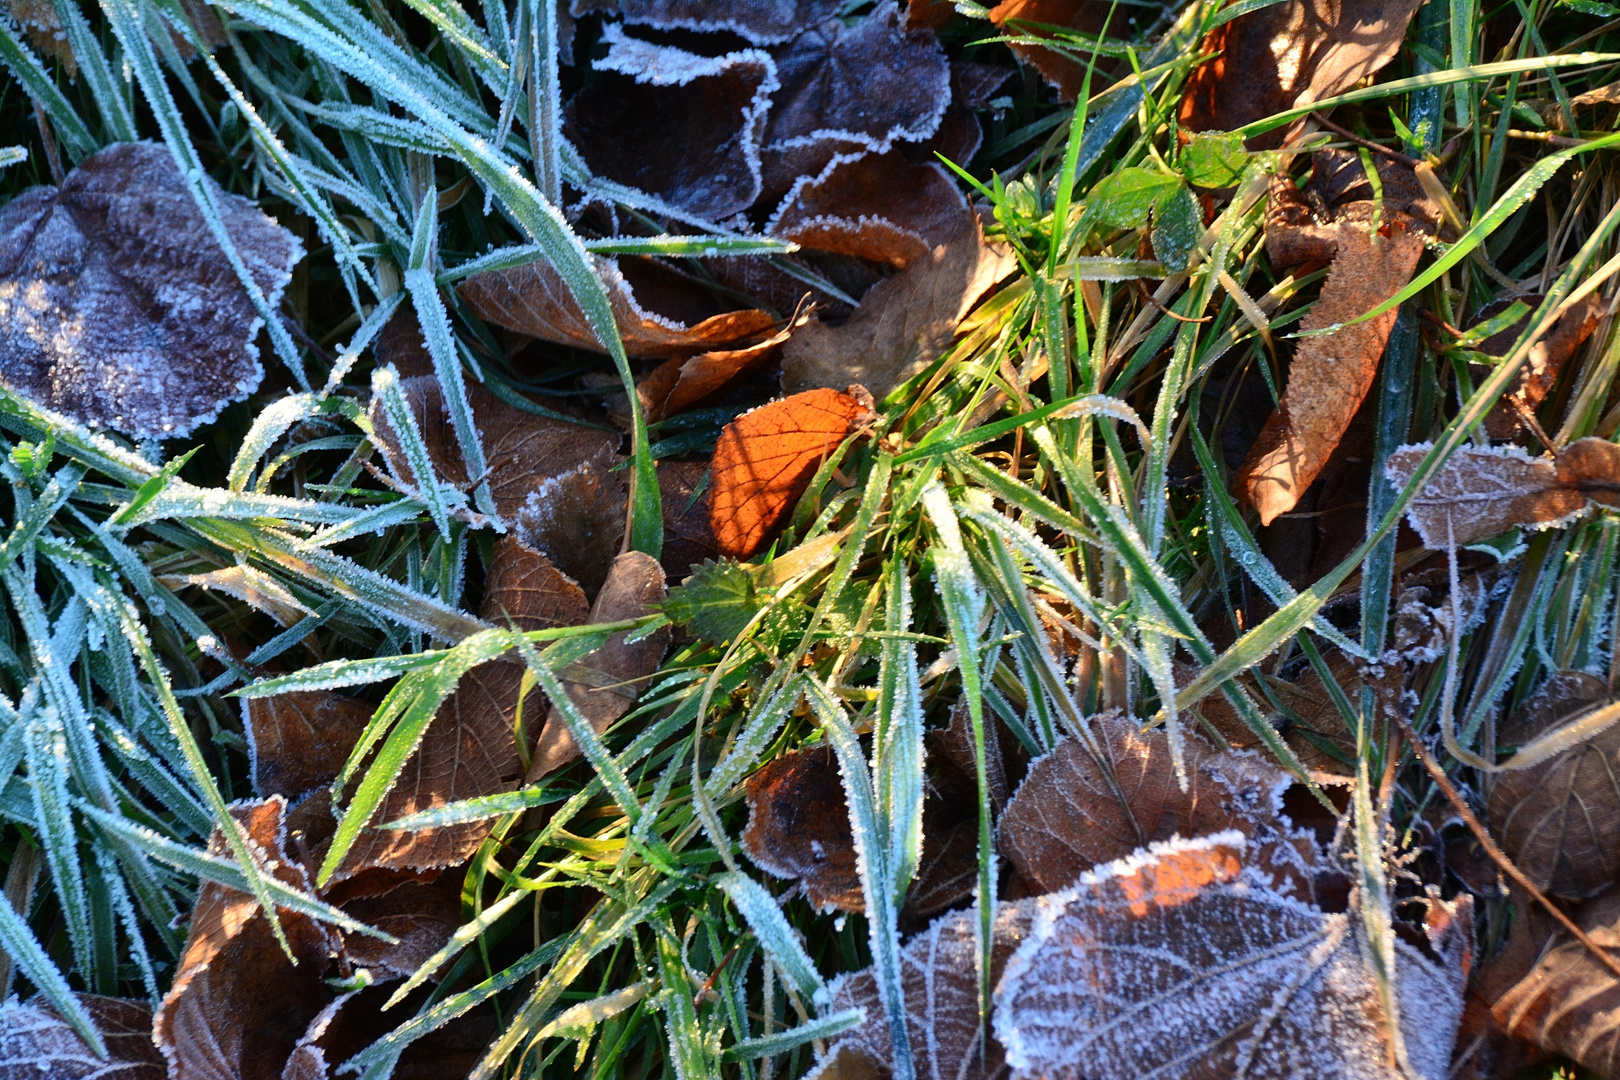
(1483, 491)
(117, 306)
(524, 589)
(1559, 821)
(1331, 374)
(930, 13)
(577, 518)
(1288, 55)
(762, 22)
(299, 741)
(677, 385)
(618, 670)
(798, 828)
(904, 323)
(659, 314)
(955, 744)
(37, 1044)
(873, 206)
(422, 915)
(1542, 366)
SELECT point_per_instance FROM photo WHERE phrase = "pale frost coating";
(35, 1044)
(761, 22)
(117, 306)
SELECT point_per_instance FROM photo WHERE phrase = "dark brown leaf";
(688, 536)
(1287, 55)
(955, 743)
(299, 741)
(1542, 366)
(1559, 821)
(948, 869)
(577, 519)
(683, 127)
(525, 590)
(659, 314)
(607, 681)
(422, 915)
(798, 828)
(903, 323)
(37, 1044)
(874, 206)
(762, 22)
(237, 1008)
(117, 306)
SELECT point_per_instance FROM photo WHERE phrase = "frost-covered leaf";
(879, 207)
(716, 602)
(1483, 491)
(1182, 961)
(299, 741)
(762, 22)
(36, 1044)
(1559, 821)
(421, 914)
(576, 519)
(251, 586)
(117, 306)
(525, 589)
(798, 828)
(1542, 366)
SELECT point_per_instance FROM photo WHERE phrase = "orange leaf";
(766, 458)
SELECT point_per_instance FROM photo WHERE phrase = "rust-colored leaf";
(299, 741)
(1184, 961)
(1287, 55)
(37, 1044)
(874, 206)
(605, 683)
(677, 385)
(683, 127)
(1483, 491)
(1559, 821)
(904, 323)
(1061, 71)
(577, 519)
(117, 306)
(237, 1008)
(1331, 374)
(521, 450)
(1544, 363)
(798, 828)
(762, 22)
(765, 459)
(659, 314)
(930, 13)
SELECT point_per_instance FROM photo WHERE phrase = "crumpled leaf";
(117, 306)
(1070, 814)
(577, 519)
(1331, 374)
(1063, 72)
(659, 314)
(36, 1044)
(677, 385)
(761, 22)
(618, 670)
(1544, 363)
(1559, 821)
(798, 828)
(1288, 55)
(765, 459)
(1483, 491)
(521, 450)
(674, 124)
(874, 206)
(299, 741)
(237, 1008)
(904, 323)
(1183, 961)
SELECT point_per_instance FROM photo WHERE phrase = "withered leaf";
(43, 26)
(1070, 814)
(422, 915)
(680, 126)
(521, 450)
(37, 1044)
(762, 22)
(677, 385)
(955, 743)
(577, 519)
(1061, 71)
(250, 585)
(1483, 491)
(606, 681)
(1183, 961)
(1287, 55)
(1331, 374)
(117, 306)
(688, 536)
(524, 589)
(798, 828)
(904, 323)
(659, 314)
(874, 206)
(1559, 821)
(1542, 366)
(299, 741)
(237, 1008)
(948, 868)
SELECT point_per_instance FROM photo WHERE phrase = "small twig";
(1496, 853)
(1547, 137)
(1150, 298)
(1404, 159)
(50, 143)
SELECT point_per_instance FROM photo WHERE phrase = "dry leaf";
(521, 450)
(955, 744)
(1182, 961)
(422, 915)
(577, 519)
(1331, 374)
(659, 313)
(930, 13)
(903, 323)
(677, 385)
(618, 670)
(1559, 821)
(874, 206)
(400, 343)
(1288, 55)
(252, 586)
(36, 1044)
(39, 20)
(524, 589)
(237, 1008)
(762, 22)
(117, 306)
(1542, 366)
(1483, 491)
(688, 536)
(798, 828)
(1062, 71)
(683, 127)
(766, 458)
(299, 741)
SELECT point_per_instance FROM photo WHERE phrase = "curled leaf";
(117, 306)
(798, 828)
(874, 206)
(677, 385)
(1543, 365)
(1568, 1002)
